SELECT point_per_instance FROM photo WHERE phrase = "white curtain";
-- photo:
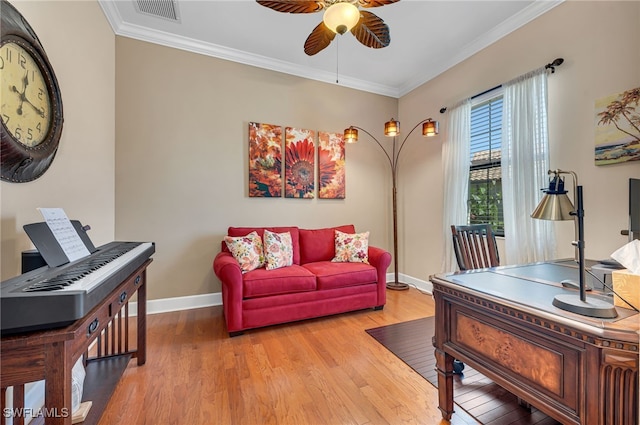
(455, 161)
(525, 162)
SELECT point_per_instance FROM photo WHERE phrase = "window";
(485, 176)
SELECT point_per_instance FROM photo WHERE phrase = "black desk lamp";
(556, 205)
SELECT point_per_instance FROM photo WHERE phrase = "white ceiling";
(427, 37)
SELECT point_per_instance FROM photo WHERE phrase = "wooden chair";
(475, 246)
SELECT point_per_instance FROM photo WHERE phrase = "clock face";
(25, 104)
(30, 101)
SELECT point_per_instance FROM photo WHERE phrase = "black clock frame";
(21, 163)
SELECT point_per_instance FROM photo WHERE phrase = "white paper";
(629, 256)
(65, 233)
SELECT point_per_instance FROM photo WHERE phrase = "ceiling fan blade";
(320, 37)
(293, 6)
(375, 3)
(371, 31)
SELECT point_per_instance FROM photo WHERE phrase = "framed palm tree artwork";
(618, 128)
(331, 162)
(299, 167)
(265, 160)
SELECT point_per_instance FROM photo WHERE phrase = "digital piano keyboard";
(51, 297)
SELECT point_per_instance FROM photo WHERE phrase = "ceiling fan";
(339, 17)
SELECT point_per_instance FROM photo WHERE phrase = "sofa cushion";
(319, 244)
(295, 238)
(278, 250)
(247, 250)
(338, 275)
(352, 247)
(263, 282)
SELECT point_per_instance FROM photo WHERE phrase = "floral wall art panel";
(331, 162)
(299, 168)
(618, 128)
(265, 160)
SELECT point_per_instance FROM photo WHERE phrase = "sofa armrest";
(228, 271)
(381, 260)
(225, 266)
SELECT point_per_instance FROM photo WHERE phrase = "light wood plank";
(319, 371)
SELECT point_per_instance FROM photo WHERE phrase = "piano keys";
(51, 297)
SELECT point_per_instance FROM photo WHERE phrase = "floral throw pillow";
(247, 250)
(278, 249)
(352, 248)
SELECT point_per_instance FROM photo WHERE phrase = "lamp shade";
(554, 207)
(392, 128)
(430, 128)
(555, 204)
(350, 135)
(341, 17)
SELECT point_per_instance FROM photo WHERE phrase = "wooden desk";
(51, 354)
(501, 321)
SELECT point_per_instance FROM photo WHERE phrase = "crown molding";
(209, 49)
(123, 29)
(520, 19)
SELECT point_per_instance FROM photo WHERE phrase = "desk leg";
(444, 366)
(142, 321)
(57, 391)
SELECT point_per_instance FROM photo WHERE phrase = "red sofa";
(312, 287)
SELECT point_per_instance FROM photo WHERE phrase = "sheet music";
(65, 233)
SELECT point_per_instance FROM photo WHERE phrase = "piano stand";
(51, 354)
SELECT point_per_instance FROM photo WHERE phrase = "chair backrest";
(475, 246)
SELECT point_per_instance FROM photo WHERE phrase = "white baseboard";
(165, 305)
(420, 285)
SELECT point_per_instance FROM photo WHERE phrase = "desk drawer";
(101, 318)
(547, 370)
(97, 320)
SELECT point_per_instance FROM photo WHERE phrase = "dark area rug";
(486, 401)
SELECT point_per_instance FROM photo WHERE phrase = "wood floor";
(475, 393)
(324, 371)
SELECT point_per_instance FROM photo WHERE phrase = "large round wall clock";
(31, 104)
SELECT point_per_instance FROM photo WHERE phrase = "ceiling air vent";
(167, 9)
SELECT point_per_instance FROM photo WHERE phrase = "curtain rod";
(551, 65)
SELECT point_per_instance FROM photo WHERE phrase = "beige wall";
(182, 155)
(178, 124)
(599, 42)
(81, 47)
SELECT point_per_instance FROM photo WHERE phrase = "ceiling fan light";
(392, 128)
(341, 17)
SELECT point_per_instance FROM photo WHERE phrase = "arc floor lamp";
(392, 129)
